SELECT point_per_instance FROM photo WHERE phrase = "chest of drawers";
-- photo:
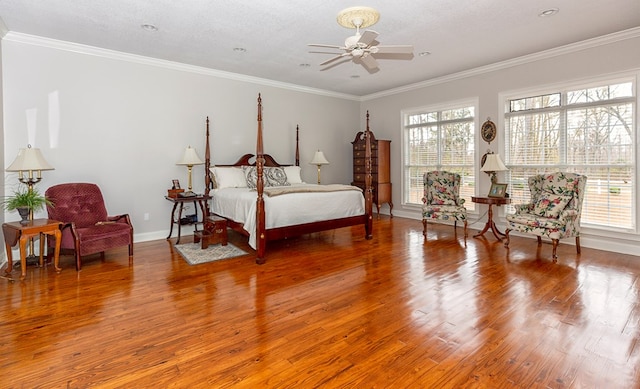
(380, 169)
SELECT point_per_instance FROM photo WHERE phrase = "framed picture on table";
(497, 190)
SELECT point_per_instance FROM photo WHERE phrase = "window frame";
(438, 107)
(504, 102)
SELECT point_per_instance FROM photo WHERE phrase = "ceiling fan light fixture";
(366, 16)
(357, 52)
(361, 47)
(351, 41)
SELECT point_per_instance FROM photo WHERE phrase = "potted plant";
(24, 201)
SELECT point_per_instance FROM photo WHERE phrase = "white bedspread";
(239, 205)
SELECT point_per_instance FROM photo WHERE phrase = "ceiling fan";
(361, 48)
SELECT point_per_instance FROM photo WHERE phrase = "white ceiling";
(461, 34)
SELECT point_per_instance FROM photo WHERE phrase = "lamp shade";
(319, 159)
(29, 159)
(190, 158)
(493, 163)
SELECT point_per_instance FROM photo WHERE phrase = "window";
(439, 139)
(587, 130)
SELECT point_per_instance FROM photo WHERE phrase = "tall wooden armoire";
(380, 169)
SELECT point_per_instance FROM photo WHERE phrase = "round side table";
(491, 201)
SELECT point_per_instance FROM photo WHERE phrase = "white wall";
(125, 121)
(3, 32)
(557, 66)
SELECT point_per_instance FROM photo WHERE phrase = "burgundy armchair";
(87, 228)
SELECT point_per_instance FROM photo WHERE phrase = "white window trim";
(504, 97)
(473, 101)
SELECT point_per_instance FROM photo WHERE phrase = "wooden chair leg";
(578, 244)
(424, 227)
(465, 228)
(539, 241)
(507, 238)
(555, 248)
(78, 260)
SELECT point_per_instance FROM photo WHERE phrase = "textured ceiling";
(460, 35)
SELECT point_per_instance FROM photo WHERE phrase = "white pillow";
(229, 177)
(293, 174)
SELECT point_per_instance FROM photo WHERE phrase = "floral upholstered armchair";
(441, 200)
(554, 210)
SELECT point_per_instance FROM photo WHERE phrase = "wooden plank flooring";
(330, 310)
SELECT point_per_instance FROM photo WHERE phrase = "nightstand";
(178, 203)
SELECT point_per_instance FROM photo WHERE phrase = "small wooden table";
(196, 200)
(15, 232)
(491, 201)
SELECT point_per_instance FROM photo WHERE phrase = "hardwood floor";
(330, 310)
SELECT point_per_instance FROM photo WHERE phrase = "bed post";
(368, 190)
(207, 172)
(297, 145)
(261, 239)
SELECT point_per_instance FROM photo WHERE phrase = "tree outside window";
(587, 130)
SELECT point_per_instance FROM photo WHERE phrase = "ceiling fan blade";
(333, 65)
(333, 59)
(369, 62)
(367, 37)
(328, 46)
(395, 49)
(323, 52)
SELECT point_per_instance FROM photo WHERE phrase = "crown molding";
(562, 50)
(121, 56)
(139, 59)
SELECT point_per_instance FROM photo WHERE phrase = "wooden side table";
(178, 203)
(491, 201)
(15, 232)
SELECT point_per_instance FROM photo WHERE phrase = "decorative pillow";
(273, 176)
(228, 177)
(293, 174)
(550, 205)
(251, 176)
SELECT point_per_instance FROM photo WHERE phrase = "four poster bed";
(273, 203)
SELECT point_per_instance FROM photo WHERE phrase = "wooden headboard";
(246, 160)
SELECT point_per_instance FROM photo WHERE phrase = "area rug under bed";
(195, 255)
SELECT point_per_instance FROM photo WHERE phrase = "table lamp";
(29, 164)
(492, 165)
(189, 159)
(319, 160)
